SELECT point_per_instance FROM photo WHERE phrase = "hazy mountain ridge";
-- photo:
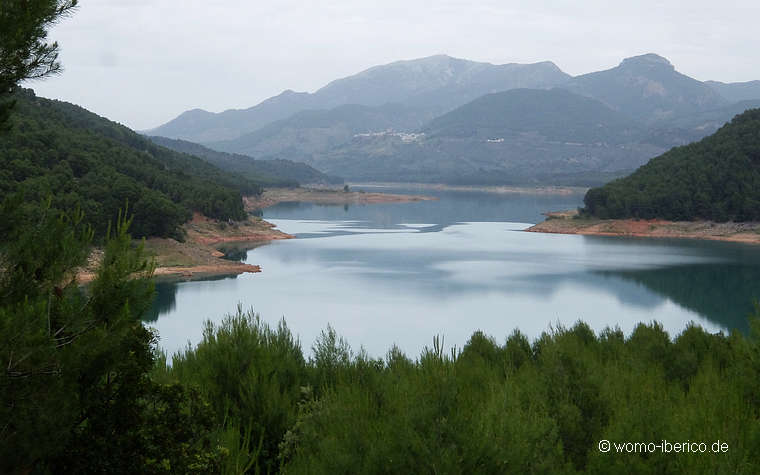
(435, 85)
(693, 127)
(520, 136)
(266, 172)
(737, 91)
(647, 88)
(607, 122)
(313, 131)
(556, 115)
(199, 125)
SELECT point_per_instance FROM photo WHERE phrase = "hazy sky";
(142, 62)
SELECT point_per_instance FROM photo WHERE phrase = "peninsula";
(569, 222)
(704, 190)
(198, 254)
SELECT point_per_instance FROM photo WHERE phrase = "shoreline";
(567, 222)
(198, 255)
(498, 189)
(189, 272)
(326, 196)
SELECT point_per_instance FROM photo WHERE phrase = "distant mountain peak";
(648, 88)
(196, 112)
(550, 65)
(437, 57)
(433, 85)
(649, 59)
(286, 95)
(737, 91)
(428, 63)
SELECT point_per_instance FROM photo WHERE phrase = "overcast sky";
(143, 62)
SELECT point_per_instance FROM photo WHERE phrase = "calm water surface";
(402, 273)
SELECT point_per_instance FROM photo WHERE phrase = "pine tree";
(24, 50)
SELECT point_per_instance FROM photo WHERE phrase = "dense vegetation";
(515, 407)
(716, 179)
(274, 172)
(74, 392)
(82, 160)
(83, 389)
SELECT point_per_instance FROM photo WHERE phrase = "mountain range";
(647, 88)
(433, 85)
(520, 136)
(447, 119)
(737, 91)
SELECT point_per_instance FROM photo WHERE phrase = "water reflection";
(450, 208)
(396, 274)
(165, 300)
(723, 293)
(238, 251)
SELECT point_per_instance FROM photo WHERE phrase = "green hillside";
(716, 179)
(276, 172)
(316, 131)
(61, 151)
(556, 115)
(516, 137)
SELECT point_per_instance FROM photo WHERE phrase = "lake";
(402, 273)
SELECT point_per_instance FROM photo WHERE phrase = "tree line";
(511, 407)
(60, 151)
(85, 389)
(717, 178)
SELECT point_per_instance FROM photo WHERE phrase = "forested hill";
(555, 114)
(61, 151)
(717, 178)
(275, 172)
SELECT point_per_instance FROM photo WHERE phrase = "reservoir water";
(403, 273)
